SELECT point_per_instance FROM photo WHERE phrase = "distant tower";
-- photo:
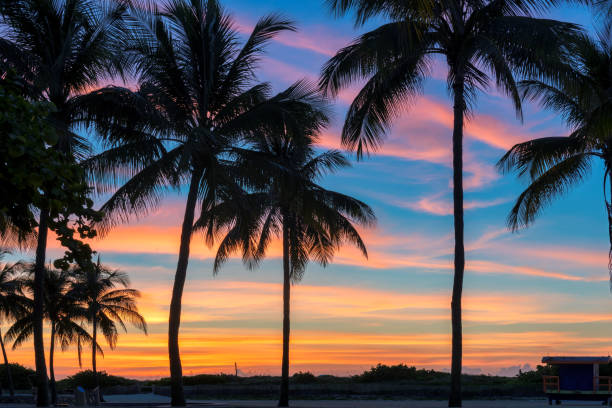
(236, 368)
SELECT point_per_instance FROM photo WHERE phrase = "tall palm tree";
(64, 313)
(13, 305)
(312, 222)
(60, 48)
(482, 41)
(555, 164)
(108, 303)
(197, 98)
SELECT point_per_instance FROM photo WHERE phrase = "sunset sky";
(542, 291)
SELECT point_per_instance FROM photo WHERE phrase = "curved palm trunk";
(7, 367)
(42, 386)
(94, 335)
(284, 388)
(176, 371)
(457, 342)
(51, 371)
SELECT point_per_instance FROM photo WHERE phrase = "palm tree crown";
(65, 314)
(13, 304)
(553, 165)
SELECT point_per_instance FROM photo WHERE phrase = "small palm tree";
(481, 41)
(311, 221)
(555, 164)
(64, 313)
(198, 98)
(60, 49)
(13, 305)
(105, 306)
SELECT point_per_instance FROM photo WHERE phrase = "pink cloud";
(314, 38)
(437, 205)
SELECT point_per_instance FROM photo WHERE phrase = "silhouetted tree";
(64, 313)
(105, 306)
(555, 164)
(481, 41)
(60, 49)
(312, 222)
(13, 305)
(197, 99)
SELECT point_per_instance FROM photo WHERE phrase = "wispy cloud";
(441, 204)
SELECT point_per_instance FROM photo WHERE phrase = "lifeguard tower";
(578, 380)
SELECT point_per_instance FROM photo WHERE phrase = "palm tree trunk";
(176, 371)
(42, 386)
(94, 335)
(7, 366)
(51, 371)
(457, 341)
(284, 389)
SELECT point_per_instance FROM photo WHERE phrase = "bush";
(303, 378)
(87, 380)
(20, 375)
(382, 373)
(535, 376)
(201, 379)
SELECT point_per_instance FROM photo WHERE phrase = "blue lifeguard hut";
(578, 379)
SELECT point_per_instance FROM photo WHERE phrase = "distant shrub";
(20, 376)
(201, 379)
(303, 378)
(86, 379)
(535, 376)
(382, 373)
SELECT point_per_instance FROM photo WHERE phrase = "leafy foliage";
(33, 175)
(21, 376)
(553, 165)
(87, 380)
(303, 378)
(382, 373)
(107, 301)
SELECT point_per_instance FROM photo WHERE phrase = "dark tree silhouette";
(13, 305)
(197, 99)
(312, 222)
(65, 315)
(481, 41)
(60, 49)
(108, 303)
(554, 165)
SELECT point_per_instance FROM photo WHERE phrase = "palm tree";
(198, 97)
(311, 221)
(555, 164)
(12, 305)
(481, 41)
(104, 306)
(63, 312)
(60, 49)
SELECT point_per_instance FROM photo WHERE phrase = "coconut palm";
(60, 49)
(482, 42)
(312, 221)
(556, 164)
(66, 317)
(108, 303)
(12, 304)
(197, 99)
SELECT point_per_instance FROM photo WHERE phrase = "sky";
(542, 291)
